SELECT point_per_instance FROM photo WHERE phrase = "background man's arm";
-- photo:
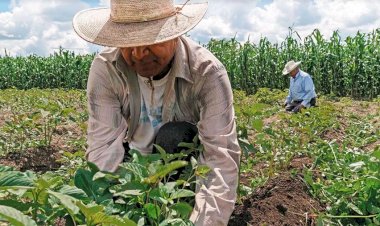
(309, 91)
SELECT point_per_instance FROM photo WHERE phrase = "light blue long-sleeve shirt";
(301, 88)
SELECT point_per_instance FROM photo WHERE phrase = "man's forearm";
(105, 146)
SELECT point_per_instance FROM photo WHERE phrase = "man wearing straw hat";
(301, 91)
(153, 82)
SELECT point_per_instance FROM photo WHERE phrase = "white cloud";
(41, 26)
(104, 2)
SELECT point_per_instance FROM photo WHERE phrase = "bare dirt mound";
(284, 200)
(36, 159)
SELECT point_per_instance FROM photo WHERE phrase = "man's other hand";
(298, 108)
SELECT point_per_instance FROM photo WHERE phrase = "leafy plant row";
(141, 192)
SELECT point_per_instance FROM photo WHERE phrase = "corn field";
(339, 68)
(63, 69)
(349, 67)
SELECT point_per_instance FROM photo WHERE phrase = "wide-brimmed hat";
(130, 23)
(290, 66)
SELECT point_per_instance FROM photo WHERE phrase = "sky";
(42, 26)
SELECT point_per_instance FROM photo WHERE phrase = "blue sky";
(41, 26)
(4, 4)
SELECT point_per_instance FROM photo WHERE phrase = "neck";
(164, 72)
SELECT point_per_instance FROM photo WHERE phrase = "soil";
(283, 200)
(36, 159)
(46, 158)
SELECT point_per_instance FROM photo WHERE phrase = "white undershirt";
(151, 114)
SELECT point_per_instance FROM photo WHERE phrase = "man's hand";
(298, 108)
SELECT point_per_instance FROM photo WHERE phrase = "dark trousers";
(293, 106)
(169, 136)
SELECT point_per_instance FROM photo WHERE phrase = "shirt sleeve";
(106, 125)
(216, 195)
(309, 91)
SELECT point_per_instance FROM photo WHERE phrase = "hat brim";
(96, 26)
(286, 72)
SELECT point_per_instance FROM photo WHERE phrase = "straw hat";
(290, 66)
(130, 23)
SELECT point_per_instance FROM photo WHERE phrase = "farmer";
(154, 83)
(301, 90)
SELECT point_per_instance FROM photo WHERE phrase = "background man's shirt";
(301, 89)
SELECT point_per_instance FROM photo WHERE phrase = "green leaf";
(169, 186)
(128, 193)
(141, 222)
(176, 222)
(14, 178)
(376, 154)
(104, 175)
(73, 192)
(89, 210)
(160, 150)
(139, 171)
(4, 168)
(67, 201)
(354, 208)
(182, 193)
(258, 124)
(152, 210)
(44, 183)
(94, 168)
(183, 208)
(16, 204)
(43, 197)
(194, 162)
(15, 217)
(356, 166)
(83, 180)
(165, 170)
(186, 145)
(376, 220)
(129, 222)
(17, 190)
(159, 194)
(128, 189)
(320, 221)
(102, 218)
(373, 209)
(202, 170)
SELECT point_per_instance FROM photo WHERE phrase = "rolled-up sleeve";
(216, 195)
(106, 125)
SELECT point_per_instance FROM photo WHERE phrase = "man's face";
(150, 60)
(294, 72)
